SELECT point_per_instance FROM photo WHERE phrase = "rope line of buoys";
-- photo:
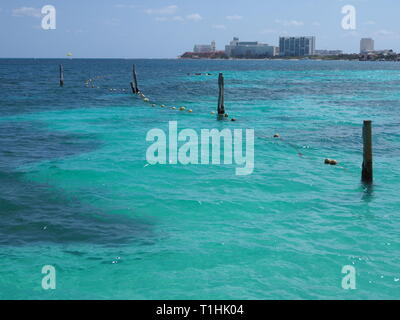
(91, 82)
(155, 104)
(221, 110)
(200, 74)
(327, 161)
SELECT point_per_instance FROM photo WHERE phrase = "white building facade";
(249, 49)
(367, 45)
(205, 48)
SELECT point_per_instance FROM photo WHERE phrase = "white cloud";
(234, 17)
(289, 23)
(268, 31)
(26, 12)
(164, 15)
(219, 26)
(178, 18)
(384, 33)
(351, 34)
(129, 6)
(163, 11)
(194, 17)
(273, 31)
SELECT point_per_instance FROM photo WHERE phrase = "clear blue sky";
(167, 28)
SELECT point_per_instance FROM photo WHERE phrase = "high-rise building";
(296, 46)
(367, 45)
(249, 49)
(213, 46)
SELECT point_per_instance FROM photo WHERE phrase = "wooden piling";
(221, 106)
(61, 75)
(367, 167)
(134, 84)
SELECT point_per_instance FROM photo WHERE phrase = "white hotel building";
(249, 49)
(204, 48)
(367, 45)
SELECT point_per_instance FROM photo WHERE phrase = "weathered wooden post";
(134, 84)
(61, 75)
(367, 167)
(221, 104)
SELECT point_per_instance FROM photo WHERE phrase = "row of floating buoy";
(200, 74)
(109, 89)
(327, 161)
(120, 90)
(97, 78)
(90, 83)
(147, 100)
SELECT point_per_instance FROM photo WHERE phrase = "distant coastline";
(344, 57)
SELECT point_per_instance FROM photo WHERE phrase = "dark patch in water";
(22, 143)
(32, 213)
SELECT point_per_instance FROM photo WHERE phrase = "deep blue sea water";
(76, 191)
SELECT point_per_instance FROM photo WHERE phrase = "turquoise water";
(76, 191)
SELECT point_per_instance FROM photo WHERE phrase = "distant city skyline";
(166, 29)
